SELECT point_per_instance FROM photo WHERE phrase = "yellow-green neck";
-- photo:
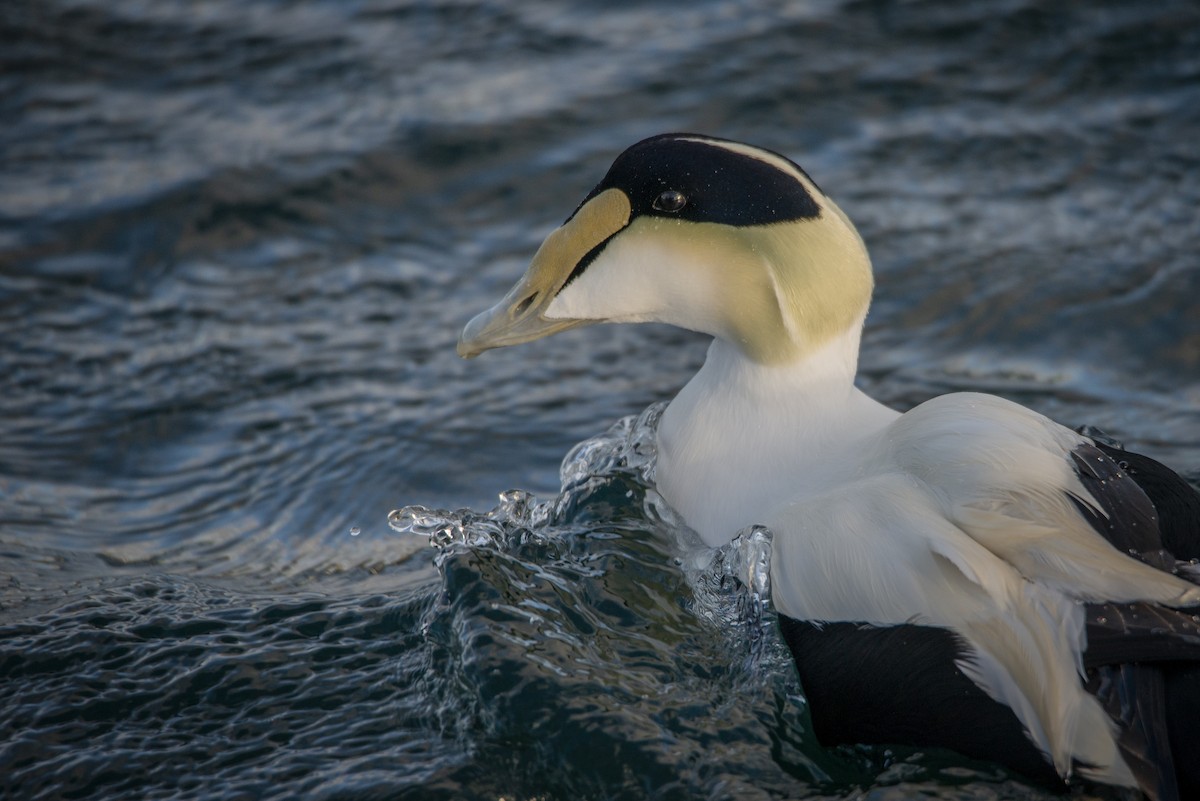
(794, 287)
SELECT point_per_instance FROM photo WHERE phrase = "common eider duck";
(968, 574)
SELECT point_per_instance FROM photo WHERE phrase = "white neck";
(761, 432)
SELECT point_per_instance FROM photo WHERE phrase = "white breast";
(741, 437)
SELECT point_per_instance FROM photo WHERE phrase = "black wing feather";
(1143, 665)
(1175, 500)
(1127, 518)
(1134, 696)
(1140, 632)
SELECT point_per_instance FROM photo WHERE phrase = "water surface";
(238, 241)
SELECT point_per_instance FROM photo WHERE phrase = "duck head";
(706, 234)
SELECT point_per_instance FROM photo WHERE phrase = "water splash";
(607, 510)
(628, 445)
(599, 615)
(623, 456)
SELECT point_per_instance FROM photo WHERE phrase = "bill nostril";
(524, 305)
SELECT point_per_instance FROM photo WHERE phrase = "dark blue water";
(238, 241)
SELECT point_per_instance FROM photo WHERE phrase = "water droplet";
(355, 531)
(748, 557)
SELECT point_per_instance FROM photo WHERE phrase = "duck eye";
(670, 201)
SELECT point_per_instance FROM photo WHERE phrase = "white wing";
(1004, 475)
(966, 520)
